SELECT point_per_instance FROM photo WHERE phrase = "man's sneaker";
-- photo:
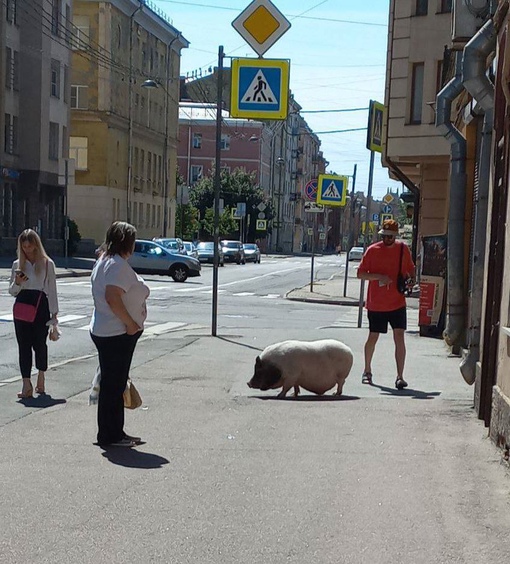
(400, 384)
(136, 440)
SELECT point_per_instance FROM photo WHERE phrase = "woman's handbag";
(27, 303)
(132, 398)
(24, 310)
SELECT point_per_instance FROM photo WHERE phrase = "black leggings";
(33, 336)
(115, 355)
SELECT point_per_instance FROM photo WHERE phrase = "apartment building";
(34, 115)
(124, 117)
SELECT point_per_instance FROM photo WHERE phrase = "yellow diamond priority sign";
(261, 24)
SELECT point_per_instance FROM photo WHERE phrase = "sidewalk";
(64, 268)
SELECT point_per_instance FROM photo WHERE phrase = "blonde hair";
(40, 254)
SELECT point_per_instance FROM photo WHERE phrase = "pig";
(315, 366)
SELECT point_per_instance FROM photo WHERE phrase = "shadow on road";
(407, 392)
(42, 401)
(308, 398)
(132, 458)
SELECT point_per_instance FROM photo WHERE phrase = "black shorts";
(378, 320)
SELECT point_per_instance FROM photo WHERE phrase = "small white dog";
(315, 366)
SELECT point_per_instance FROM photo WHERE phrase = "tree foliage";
(237, 186)
(186, 222)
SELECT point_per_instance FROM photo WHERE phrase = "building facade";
(124, 120)
(34, 106)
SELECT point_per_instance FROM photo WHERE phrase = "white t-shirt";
(116, 271)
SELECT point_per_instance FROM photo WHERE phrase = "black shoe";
(400, 384)
(136, 440)
(366, 378)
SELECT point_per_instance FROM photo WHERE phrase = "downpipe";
(476, 82)
(455, 322)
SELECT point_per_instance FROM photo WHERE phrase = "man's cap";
(389, 227)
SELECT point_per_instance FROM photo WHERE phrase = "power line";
(340, 131)
(301, 16)
(332, 111)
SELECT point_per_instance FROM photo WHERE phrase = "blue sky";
(337, 51)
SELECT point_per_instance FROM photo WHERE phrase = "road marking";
(79, 283)
(67, 318)
(271, 296)
(244, 294)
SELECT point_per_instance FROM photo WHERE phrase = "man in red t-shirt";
(385, 304)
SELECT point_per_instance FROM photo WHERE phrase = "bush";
(74, 236)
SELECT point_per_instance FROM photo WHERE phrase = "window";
(417, 93)
(196, 172)
(11, 9)
(56, 10)
(79, 97)
(11, 134)
(422, 7)
(197, 140)
(81, 25)
(66, 84)
(55, 79)
(78, 150)
(135, 214)
(65, 143)
(53, 141)
(8, 68)
(153, 222)
(446, 6)
(225, 142)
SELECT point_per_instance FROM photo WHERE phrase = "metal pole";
(217, 187)
(165, 145)
(130, 117)
(351, 235)
(313, 260)
(66, 227)
(369, 198)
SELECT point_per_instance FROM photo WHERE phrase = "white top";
(116, 271)
(37, 281)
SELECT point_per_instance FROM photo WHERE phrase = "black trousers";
(33, 336)
(115, 356)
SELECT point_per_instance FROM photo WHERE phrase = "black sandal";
(366, 378)
(400, 384)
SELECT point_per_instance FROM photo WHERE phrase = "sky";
(337, 52)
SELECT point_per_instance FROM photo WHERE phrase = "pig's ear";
(258, 362)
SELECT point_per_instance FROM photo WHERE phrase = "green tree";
(228, 225)
(237, 186)
(187, 225)
(74, 236)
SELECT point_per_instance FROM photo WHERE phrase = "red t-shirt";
(381, 259)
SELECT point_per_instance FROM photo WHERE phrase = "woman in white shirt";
(33, 281)
(117, 322)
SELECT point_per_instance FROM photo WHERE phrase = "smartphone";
(21, 273)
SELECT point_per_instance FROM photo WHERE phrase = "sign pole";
(313, 257)
(217, 188)
(351, 234)
(369, 199)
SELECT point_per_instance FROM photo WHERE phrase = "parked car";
(151, 257)
(356, 253)
(172, 243)
(191, 250)
(233, 251)
(251, 252)
(205, 252)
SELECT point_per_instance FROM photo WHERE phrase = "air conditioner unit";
(468, 18)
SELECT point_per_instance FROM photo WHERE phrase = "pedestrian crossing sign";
(375, 126)
(259, 88)
(332, 189)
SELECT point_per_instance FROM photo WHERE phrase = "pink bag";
(26, 312)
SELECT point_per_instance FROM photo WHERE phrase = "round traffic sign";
(311, 190)
(261, 215)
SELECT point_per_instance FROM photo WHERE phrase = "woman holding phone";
(33, 282)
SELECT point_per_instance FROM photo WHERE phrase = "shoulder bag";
(401, 281)
(24, 307)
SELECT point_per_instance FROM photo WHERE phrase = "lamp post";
(281, 162)
(130, 116)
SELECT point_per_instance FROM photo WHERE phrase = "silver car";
(191, 250)
(356, 253)
(151, 257)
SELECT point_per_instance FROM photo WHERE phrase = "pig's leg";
(339, 387)
(284, 391)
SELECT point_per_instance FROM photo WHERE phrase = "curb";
(324, 300)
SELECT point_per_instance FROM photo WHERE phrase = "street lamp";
(280, 161)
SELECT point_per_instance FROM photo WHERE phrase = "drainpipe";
(475, 80)
(454, 331)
